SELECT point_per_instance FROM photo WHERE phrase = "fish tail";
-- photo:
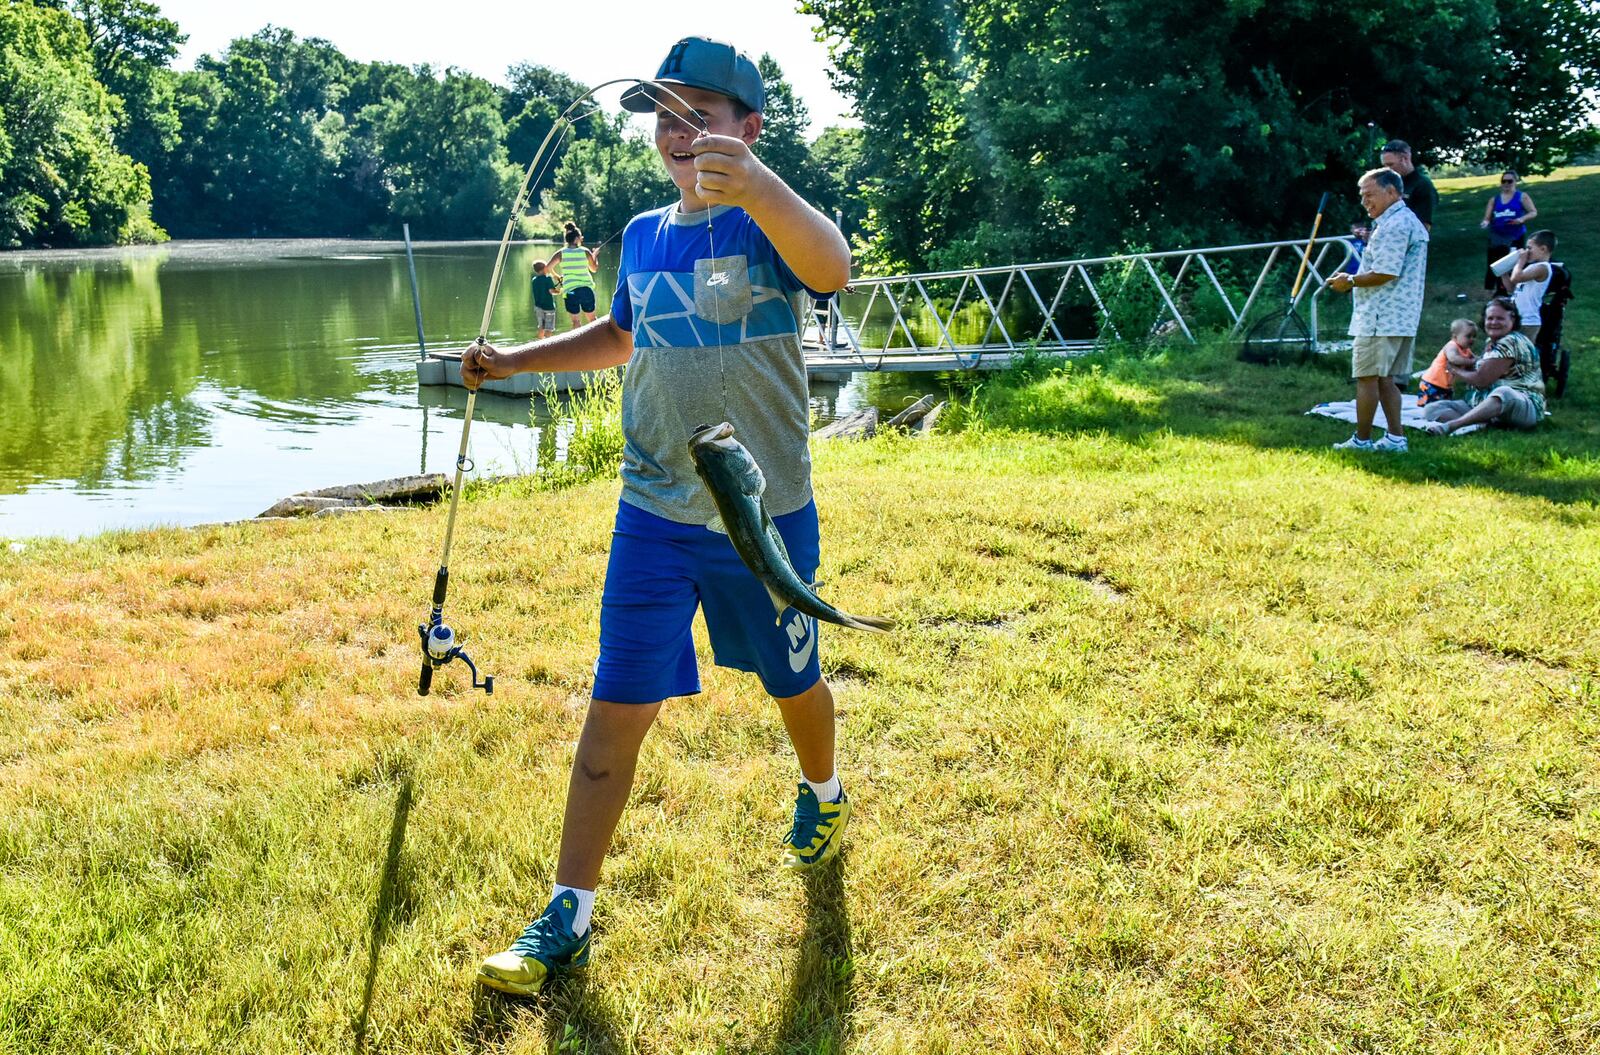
(874, 623)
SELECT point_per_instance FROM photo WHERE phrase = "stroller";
(1554, 358)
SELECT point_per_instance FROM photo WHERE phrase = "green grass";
(1197, 737)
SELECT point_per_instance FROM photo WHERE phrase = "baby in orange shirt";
(1435, 383)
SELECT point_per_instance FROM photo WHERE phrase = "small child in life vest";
(1435, 383)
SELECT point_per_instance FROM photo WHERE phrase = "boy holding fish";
(707, 313)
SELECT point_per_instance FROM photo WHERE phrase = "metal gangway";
(910, 322)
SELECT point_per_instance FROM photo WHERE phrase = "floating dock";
(837, 364)
(444, 368)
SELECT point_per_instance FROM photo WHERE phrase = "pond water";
(202, 381)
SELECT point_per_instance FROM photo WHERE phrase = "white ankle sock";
(585, 899)
(829, 790)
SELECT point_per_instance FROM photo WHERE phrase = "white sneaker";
(1354, 443)
(1391, 443)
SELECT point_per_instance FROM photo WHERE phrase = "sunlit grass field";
(1196, 737)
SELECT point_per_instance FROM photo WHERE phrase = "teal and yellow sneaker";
(818, 829)
(547, 948)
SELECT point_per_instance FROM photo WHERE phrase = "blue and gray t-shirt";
(713, 340)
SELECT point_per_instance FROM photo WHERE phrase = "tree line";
(102, 142)
(990, 128)
(1034, 130)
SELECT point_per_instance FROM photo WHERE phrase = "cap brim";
(641, 98)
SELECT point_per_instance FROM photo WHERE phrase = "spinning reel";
(439, 644)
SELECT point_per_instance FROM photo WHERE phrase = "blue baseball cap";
(699, 62)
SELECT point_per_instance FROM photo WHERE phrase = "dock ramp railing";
(958, 319)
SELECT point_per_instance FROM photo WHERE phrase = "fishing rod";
(439, 644)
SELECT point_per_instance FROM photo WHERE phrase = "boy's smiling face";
(678, 126)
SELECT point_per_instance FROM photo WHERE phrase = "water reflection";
(202, 381)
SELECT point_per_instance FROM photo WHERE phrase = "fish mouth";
(710, 433)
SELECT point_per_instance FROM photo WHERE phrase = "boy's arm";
(1525, 272)
(811, 245)
(596, 346)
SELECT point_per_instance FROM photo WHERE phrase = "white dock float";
(444, 368)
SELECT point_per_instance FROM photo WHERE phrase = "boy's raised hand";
(726, 172)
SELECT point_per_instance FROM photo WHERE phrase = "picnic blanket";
(1411, 415)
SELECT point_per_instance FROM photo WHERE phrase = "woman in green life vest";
(575, 267)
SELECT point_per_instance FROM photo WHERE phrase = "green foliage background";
(989, 128)
(1031, 130)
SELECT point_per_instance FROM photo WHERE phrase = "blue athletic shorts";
(580, 299)
(660, 572)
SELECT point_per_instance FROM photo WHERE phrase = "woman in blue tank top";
(1506, 219)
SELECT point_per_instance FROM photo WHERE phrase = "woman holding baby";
(1504, 383)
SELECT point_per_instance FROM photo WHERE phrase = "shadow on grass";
(817, 1008)
(1204, 392)
(577, 1020)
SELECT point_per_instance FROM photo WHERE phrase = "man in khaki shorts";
(1388, 307)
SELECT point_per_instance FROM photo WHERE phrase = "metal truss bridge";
(982, 317)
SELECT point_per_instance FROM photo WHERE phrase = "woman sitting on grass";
(1505, 385)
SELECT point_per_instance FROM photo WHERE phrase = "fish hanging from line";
(730, 473)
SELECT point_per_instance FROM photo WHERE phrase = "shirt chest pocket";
(722, 289)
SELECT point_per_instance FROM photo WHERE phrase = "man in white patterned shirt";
(1388, 308)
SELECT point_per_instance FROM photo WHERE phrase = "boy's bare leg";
(602, 777)
(809, 719)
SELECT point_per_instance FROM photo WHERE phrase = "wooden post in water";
(416, 301)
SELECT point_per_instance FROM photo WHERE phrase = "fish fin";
(717, 525)
(874, 623)
(777, 602)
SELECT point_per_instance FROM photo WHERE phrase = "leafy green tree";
(1540, 112)
(62, 181)
(311, 74)
(133, 43)
(251, 164)
(537, 96)
(278, 136)
(839, 175)
(443, 147)
(782, 145)
(605, 181)
(529, 82)
(995, 129)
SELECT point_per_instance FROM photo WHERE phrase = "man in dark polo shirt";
(1419, 193)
